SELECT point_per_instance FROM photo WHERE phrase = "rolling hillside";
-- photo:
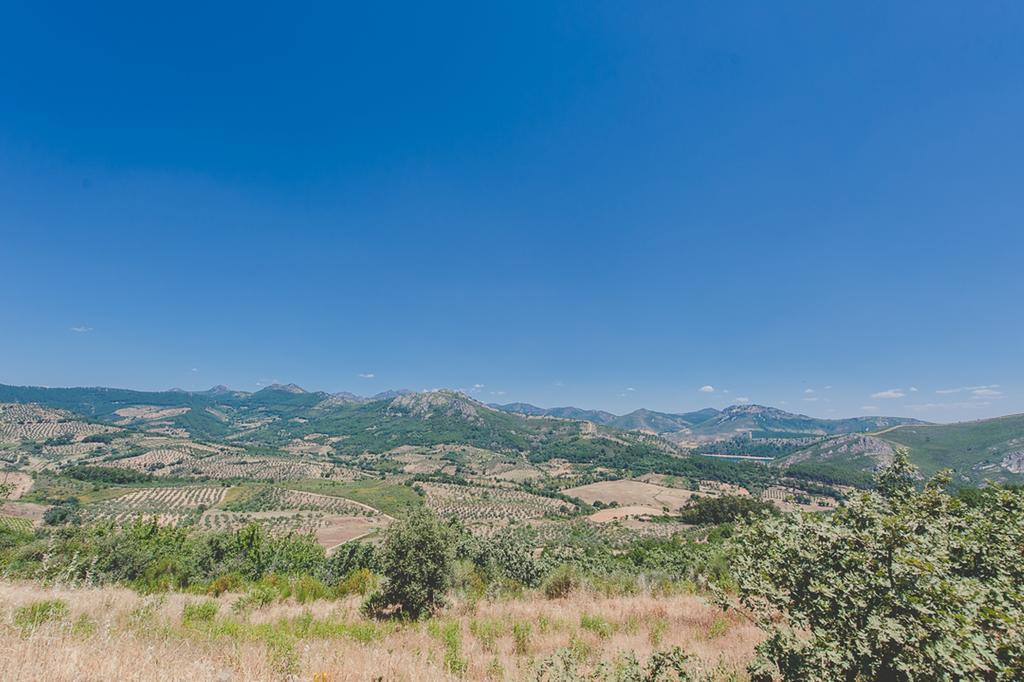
(989, 449)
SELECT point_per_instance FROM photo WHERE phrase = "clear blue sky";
(610, 205)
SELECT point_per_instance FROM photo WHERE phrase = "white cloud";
(478, 386)
(630, 389)
(808, 391)
(811, 399)
(868, 408)
(891, 393)
(741, 399)
(367, 375)
(194, 369)
(913, 389)
(707, 389)
(81, 329)
(964, 405)
(972, 389)
(986, 392)
(828, 388)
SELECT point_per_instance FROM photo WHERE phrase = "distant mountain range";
(643, 440)
(756, 421)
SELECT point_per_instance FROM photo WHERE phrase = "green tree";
(417, 560)
(901, 584)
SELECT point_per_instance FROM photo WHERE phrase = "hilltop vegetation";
(978, 451)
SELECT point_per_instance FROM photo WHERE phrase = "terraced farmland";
(483, 504)
(30, 422)
(271, 498)
(330, 530)
(168, 505)
(189, 462)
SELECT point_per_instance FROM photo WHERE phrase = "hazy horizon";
(499, 398)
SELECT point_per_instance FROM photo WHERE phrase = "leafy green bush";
(62, 513)
(417, 559)
(900, 584)
(360, 581)
(258, 596)
(231, 582)
(203, 612)
(598, 625)
(39, 612)
(562, 582)
(102, 474)
(724, 509)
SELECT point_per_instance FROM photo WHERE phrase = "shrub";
(521, 636)
(453, 660)
(203, 612)
(417, 560)
(598, 625)
(724, 509)
(306, 588)
(562, 582)
(231, 582)
(257, 597)
(359, 581)
(62, 513)
(39, 612)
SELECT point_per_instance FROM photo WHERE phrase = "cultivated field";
(29, 511)
(149, 412)
(169, 505)
(110, 633)
(630, 492)
(332, 519)
(20, 421)
(474, 504)
(20, 483)
(187, 461)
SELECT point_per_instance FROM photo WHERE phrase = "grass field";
(110, 633)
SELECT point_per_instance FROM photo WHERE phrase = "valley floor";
(105, 633)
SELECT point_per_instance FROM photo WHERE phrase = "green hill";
(762, 422)
(989, 449)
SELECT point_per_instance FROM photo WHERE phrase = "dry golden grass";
(112, 633)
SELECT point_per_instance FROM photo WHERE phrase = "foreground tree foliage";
(900, 584)
(417, 560)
